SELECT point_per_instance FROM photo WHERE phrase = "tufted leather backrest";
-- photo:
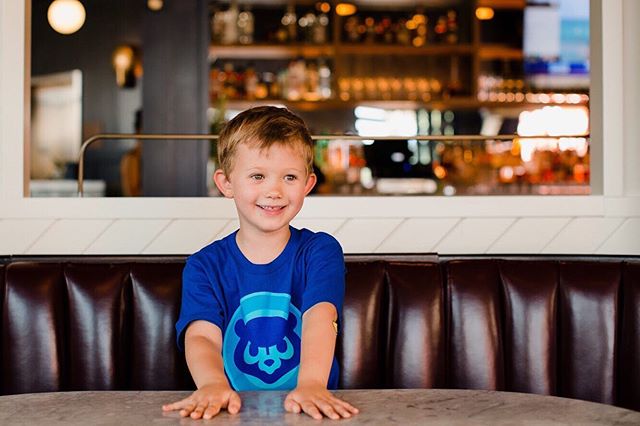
(557, 326)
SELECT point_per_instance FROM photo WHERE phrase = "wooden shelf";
(460, 102)
(275, 51)
(395, 50)
(503, 4)
(269, 51)
(496, 51)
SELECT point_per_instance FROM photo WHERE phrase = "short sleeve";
(199, 299)
(325, 273)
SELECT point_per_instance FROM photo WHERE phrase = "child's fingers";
(187, 409)
(198, 410)
(311, 409)
(176, 405)
(345, 404)
(327, 409)
(341, 409)
(211, 411)
(291, 406)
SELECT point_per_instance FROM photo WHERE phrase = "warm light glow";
(345, 9)
(155, 5)
(122, 63)
(325, 7)
(440, 172)
(553, 121)
(378, 122)
(484, 13)
(419, 18)
(66, 16)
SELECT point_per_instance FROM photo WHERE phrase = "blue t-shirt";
(259, 308)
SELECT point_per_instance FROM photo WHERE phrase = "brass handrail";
(166, 136)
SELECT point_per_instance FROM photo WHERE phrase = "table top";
(407, 407)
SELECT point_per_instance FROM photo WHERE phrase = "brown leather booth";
(567, 326)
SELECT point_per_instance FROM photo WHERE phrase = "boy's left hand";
(316, 400)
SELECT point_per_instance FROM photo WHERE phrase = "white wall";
(608, 223)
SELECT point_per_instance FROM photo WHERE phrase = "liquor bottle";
(312, 86)
(440, 29)
(351, 29)
(289, 22)
(262, 91)
(324, 73)
(230, 34)
(370, 32)
(403, 36)
(320, 29)
(217, 25)
(215, 84)
(307, 24)
(296, 74)
(452, 27)
(454, 86)
(245, 26)
(420, 22)
(230, 81)
(273, 88)
(387, 30)
(250, 82)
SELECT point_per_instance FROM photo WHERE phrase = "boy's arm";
(203, 350)
(316, 356)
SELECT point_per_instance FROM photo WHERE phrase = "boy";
(260, 307)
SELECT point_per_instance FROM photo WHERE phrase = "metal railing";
(165, 136)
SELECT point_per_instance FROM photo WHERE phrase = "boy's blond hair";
(263, 127)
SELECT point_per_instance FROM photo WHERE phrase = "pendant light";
(66, 16)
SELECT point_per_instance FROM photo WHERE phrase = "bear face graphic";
(268, 348)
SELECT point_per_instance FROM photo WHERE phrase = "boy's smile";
(267, 185)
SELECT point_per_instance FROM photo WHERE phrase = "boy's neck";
(262, 248)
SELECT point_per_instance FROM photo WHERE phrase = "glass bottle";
(324, 74)
(320, 29)
(452, 27)
(230, 34)
(250, 82)
(289, 22)
(246, 26)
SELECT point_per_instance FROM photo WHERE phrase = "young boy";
(261, 307)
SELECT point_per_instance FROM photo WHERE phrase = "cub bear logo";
(266, 347)
(261, 347)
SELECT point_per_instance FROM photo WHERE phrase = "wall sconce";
(126, 65)
(66, 16)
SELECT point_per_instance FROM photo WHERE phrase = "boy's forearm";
(205, 363)
(318, 344)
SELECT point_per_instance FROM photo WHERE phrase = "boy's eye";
(290, 178)
(257, 176)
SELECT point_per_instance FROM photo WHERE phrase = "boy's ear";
(223, 184)
(311, 182)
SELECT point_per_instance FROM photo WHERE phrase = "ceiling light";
(155, 5)
(66, 16)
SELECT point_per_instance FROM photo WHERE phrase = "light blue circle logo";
(261, 348)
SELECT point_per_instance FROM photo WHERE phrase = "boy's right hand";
(207, 402)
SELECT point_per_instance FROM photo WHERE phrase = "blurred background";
(397, 70)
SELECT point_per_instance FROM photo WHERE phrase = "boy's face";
(268, 186)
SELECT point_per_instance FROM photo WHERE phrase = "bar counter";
(406, 407)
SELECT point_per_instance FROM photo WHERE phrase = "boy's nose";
(273, 190)
(273, 194)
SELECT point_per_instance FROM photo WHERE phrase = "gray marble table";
(406, 407)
